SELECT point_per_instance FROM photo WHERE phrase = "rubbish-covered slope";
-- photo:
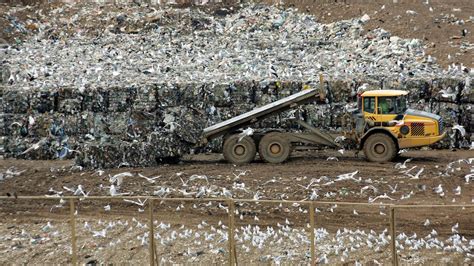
(141, 91)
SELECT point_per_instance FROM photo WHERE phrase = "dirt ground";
(199, 228)
(306, 174)
(438, 23)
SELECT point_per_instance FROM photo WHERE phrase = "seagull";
(101, 233)
(107, 208)
(80, 191)
(202, 177)
(226, 193)
(60, 205)
(323, 259)
(455, 228)
(76, 192)
(47, 227)
(99, 172)
(407, 196)
(185, 184)
(35, 146)
(468, 177)
(438, 189)
(256, 196)
(348, 176)
(241, 173)
(113, 191)
(162, 192)
(384, 196)
(201, 192)
(402, 166)
(246, 132)
(118, 178)
(149, 179)
(313, 195)
(332, 159)
(374, 189)
(417, 175)
(11, 172)
(186, 194)
(457, 191)
(426, 223)
(273, 180)
(461, 129)
(313, 180)
(69, 189)
(448, 93)
(139, 202)
(393, 189)
(58, 193)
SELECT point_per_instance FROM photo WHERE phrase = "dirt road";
(320, 176)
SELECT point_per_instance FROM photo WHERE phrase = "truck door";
(368, 108)
(386, 109)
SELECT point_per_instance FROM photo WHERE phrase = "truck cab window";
(369, 104)
(401, 104)
(387, 105)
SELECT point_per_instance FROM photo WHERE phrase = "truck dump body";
(259, 113)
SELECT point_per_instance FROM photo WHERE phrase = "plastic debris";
(140, 92)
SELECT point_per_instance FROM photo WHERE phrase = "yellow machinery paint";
(381, 126)
(408, 128)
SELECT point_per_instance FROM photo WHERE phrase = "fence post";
(151, 233)
(232, 250)
(393, 236)
(72, 220)
(313, 244)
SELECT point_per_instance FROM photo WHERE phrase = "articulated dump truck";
(381, 126)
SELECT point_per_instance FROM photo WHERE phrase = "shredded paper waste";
(140, 93)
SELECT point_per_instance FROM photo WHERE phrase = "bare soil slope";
(438, 23)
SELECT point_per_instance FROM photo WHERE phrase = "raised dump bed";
(259, 114)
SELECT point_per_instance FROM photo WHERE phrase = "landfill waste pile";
(141, 91)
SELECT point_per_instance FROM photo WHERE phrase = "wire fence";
(233, 258)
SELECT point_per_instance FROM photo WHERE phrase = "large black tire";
(239, 152)
(274, 148)
(380, 147)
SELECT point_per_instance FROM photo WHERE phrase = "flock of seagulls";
(202, 186)
(228, 48)
(10, 173)
(279, 243)
(252, 238)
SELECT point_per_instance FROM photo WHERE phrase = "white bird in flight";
(139, 202)
(402, 165)
(118, 178)
(384, 196)
(149, 179)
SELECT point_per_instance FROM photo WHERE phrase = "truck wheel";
(380, 148)
(274, 148)
(239, 152)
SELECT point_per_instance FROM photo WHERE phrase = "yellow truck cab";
(385, 125)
